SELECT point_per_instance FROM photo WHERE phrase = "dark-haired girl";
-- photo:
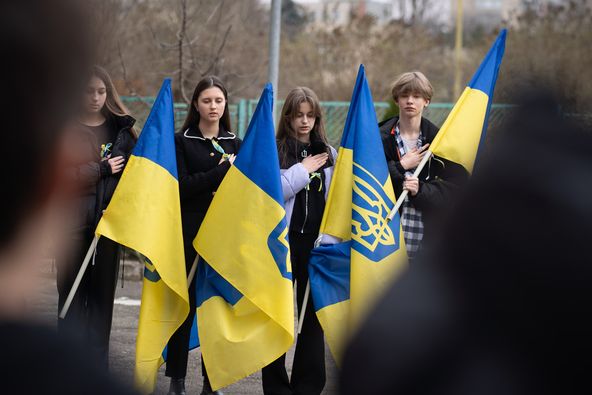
(206, 148)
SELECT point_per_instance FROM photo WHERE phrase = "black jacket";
(94, 177)
(123, 146)
(439, 180)
(200, 174)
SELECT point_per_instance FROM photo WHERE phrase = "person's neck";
(409, 127)
(304, 139)
(209, 129)
(92, 119)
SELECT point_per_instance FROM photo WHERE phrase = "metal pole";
(458, 50)
(274, 48)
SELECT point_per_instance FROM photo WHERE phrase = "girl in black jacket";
(107, 133)
(205, 151)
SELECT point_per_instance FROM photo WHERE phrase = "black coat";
(105, 181)
(200, 174)
(439, 180)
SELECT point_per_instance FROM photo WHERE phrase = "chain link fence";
(335, 114)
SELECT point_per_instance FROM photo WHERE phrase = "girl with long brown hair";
(106, 134)
(306, 163)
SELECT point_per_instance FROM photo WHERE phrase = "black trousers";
(178, 347)
(90, 315)
(308, 369)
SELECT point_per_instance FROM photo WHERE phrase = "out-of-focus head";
(46, 57)
(498, 306)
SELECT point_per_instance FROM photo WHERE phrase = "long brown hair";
(113, 104)
(193, 114)
(290, 109)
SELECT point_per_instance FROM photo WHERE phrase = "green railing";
(335, 114)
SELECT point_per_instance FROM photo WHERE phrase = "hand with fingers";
(411, 184)
(315, 162)
(412, 158)
(116, 164)
(230, 158)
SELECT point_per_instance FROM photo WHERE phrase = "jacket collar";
(123, 121)
(428, 129)
(195, 133)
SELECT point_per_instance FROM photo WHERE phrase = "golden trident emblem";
(372, 228)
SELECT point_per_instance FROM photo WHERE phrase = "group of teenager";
(497, 305)
(206, 148)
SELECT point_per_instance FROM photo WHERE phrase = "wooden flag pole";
(304, 305)
(89, 254)
(404, 194)
(192, 271)
(307, 292)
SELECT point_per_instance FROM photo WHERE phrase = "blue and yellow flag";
(463, 133)
(347, 277)
(244, 296)
(145, 215)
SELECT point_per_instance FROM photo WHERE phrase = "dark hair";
(192, 113)
(113, 104)
(290, 108)
(46, 54)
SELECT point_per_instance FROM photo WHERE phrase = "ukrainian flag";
(347, 277)
(244, 291)
(145, 215)
(463, 133)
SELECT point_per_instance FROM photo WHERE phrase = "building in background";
(340, 12)
(489, 14)
(478, 14)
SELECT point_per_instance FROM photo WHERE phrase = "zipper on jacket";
(305, 210)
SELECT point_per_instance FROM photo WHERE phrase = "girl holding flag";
(105, 131)
(306, 162)
(205, 151)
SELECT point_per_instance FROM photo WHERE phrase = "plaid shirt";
(411, 218)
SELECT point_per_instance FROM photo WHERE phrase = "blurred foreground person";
(499, 305)
(46, 54)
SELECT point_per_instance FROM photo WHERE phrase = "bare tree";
(150, 39)
(415, 11)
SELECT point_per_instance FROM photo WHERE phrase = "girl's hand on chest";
(315, 162)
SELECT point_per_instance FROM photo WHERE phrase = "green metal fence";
(335, 114)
